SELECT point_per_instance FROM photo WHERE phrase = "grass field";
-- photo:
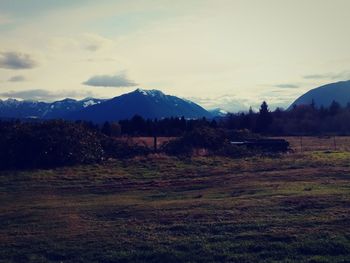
(331, 143)
(292, 208)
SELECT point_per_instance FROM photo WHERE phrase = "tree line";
(168, 127)
(299, 120)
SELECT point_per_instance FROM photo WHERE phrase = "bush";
(241, 135)
(203, 137)
(48, 144)
(234, 151)
(118, 149)
(218, 142)
(177, 147)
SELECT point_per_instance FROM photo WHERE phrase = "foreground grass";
(290, 209)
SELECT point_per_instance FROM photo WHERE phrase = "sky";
(230, 54)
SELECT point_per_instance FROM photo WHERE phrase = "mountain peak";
(152, 92)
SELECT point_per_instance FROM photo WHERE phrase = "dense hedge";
(56, 143)
(115, 148)
(47, 144)
(218, 142)
(203, 137)
(59, 143)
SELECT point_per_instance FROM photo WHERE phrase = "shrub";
(48, 144)
(234, 151)
(203, 137)
(218, 142)
(118, 149)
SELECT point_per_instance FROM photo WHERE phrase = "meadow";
(293, 207)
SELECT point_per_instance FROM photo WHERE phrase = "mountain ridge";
(147, 103)
(152, 104)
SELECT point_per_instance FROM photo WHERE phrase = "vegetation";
(141, 207)
(204, 137)
(300, 120)
(50, 144)
(47, 144)
(214, 209)
(58, 143)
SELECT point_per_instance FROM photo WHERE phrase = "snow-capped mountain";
(12, 108)
(147, 103)
(218, 112)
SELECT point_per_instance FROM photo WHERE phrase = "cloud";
(93, 42)
(16, 60)
(119, 80)
(43, 95)
(237, 103)
(317, 76)
(17, 78)
(287, 86)
(230, 103)
(345, 75)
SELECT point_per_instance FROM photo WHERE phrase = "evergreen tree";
(106, 128)
(264, 119)
(334, 108)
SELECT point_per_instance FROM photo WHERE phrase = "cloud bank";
(43, 95)
(94, 42)
(119, 80)
(345, 75)
(287, 86)
(16, 60)
(17, 78)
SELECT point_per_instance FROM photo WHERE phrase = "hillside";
(324, 95)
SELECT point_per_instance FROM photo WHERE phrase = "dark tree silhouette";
(106, 128)
(334, 108)
(264, 119)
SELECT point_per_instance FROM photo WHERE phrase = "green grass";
(292, 208)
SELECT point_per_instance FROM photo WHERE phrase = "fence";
(324, 143)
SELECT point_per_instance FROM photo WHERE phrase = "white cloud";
(118, 80)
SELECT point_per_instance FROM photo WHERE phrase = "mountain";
(59, 109)
(147, 103)
(12, 108)
(324, 95)
(218, 112)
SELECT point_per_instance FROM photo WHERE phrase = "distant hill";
(147, 103)
(324, 95)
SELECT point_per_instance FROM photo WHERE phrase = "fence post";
(334, 144)
(155, 143)
(301, 143)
